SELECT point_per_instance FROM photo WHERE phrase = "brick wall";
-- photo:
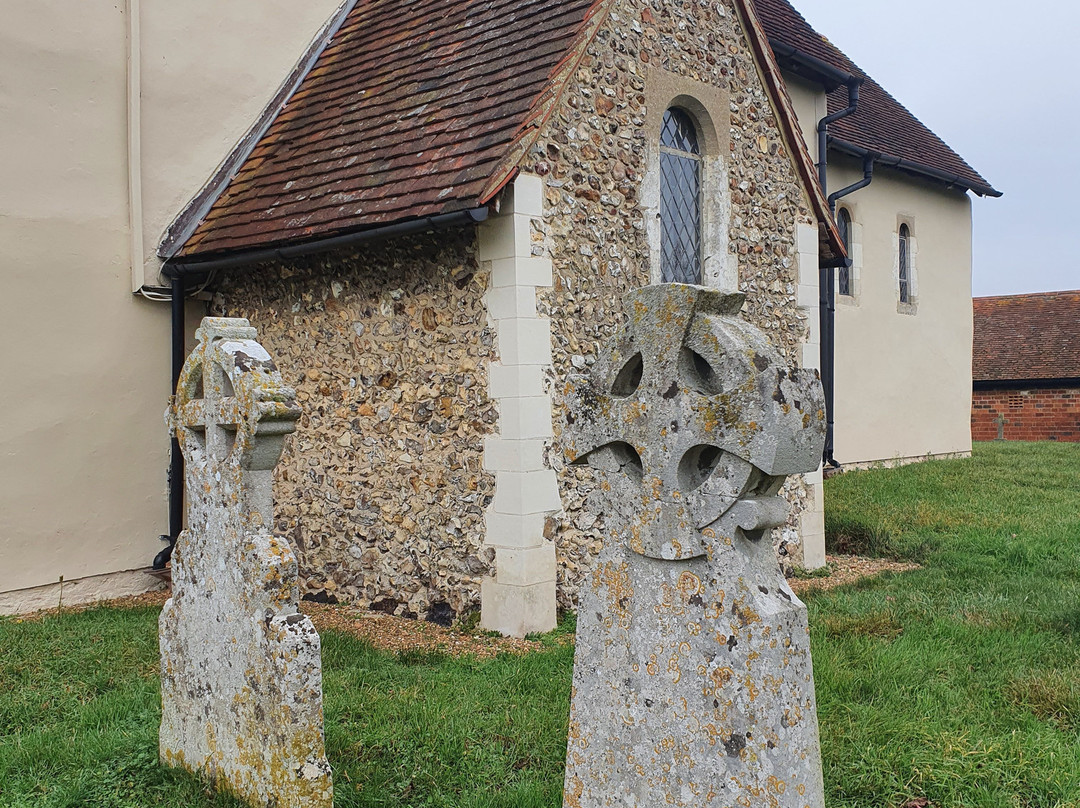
(1052, 414)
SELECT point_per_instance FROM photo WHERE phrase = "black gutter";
(809, 67)
(179, 270)
(443, 221)
(952, 180)
(989, 385)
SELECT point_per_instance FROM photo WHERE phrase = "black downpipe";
(176, 456)
(826, 279)
(853, 85)
(868, 177)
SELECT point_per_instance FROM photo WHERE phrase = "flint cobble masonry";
(382, 492)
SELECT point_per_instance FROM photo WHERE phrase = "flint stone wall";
(382, 490)
(593, 160)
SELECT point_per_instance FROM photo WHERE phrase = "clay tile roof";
(1020, 337)
(405, 114)
(881, 124)
(417, 108)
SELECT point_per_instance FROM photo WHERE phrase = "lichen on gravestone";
(693, 684)
(241, 675)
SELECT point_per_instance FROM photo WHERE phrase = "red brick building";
(1026, 367)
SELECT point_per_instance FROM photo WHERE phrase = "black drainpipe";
(826, 285)
(176, 457)
(177, 270)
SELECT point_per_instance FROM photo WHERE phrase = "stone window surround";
(912, 306)
(705, 104)
(855, 237)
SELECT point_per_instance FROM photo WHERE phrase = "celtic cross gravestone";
(241, 678)
(693, 683)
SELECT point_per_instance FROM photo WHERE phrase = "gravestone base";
(692, 687)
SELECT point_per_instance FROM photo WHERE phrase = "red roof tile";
(881, 123)
(405, 114)
(416, 109)
(1022, 337)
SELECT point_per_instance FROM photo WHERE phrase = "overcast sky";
(1000, 83)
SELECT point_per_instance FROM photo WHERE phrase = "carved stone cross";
(692, 676)
(241, 680)
(1001, 421)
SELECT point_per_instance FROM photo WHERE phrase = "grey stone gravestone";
(1000, 422)
(693, 683)
(241, 676)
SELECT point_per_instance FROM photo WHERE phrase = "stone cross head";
(232, 409)
(697, 421)
(231, 404)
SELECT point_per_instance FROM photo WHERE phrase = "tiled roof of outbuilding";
(1021, 337)
(405, 114)
(881, 123)
(416, 109)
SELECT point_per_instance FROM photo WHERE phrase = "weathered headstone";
(1000, 422)
(693, 684)
(241, 677)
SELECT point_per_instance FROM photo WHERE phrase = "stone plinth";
(241, 677)
(693, 683)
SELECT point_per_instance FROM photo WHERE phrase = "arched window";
(680, 199)
(843, 278)
(905, 264)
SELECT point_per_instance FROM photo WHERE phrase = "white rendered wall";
(903, 373)
(83, 447)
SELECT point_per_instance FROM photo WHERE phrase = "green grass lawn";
(959, 682)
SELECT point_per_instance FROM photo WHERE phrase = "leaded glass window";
(905, 265)
(843, 277)
(680, 199)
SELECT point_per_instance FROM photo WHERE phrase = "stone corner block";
(504, 235)
(529, 195)
(526, 492)
(515, 381)
(520, 271)
(807, 239)
(525, 566)
(525, 418)
(525, 341)
(514, 530)
(501, 454)
(509, 302)
(517, 610)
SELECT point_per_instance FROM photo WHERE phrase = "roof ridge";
(1056, 292)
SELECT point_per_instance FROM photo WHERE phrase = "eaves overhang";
(913, 167)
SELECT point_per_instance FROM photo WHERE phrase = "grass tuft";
(1051, 695)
